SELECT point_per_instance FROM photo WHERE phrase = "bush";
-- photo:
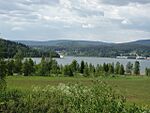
(72, 98)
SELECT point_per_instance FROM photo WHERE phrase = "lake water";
(99, 60)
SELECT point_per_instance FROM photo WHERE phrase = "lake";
(99, 60)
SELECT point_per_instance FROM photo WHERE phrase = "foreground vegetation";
(135, 89)
(67, 98)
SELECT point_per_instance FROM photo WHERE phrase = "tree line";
(50, 67)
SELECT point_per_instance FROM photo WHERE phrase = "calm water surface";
(99, 60)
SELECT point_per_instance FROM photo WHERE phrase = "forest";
(93, 48)
(8, 49)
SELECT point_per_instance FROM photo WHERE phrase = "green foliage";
(68, 71)
(75, 66)
(10, 67)
(50, 67)
(105, 67)
(2, 74)
(43, 67)
(121, 70)
(147, 71)
(18, 66)
(129, 68)
(86, 70)
(137, 68)
(72, 98)
(82, 67)
(98, 49)
(10, 49)
(54, 67)
(111, 68)
(28, 67)
(117, 67)
(19, 55)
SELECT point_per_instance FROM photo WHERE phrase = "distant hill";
(8, 49)
(141, 42)
(63, 43)
(93, 48)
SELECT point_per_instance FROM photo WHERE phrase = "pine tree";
(43, 68)
(147, 71)
(129, 68)
(74, 66)
(86, 70)
(111, 68)
(117, 67)
(105, 67)
(54, 67)
(10, 67)
(18, 62)
(31, 66)
(68, 71)
(26, 68)
(137, 68)
(18, 66)
(82, 67)
(121, 70)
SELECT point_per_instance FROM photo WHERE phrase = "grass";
(135, 89)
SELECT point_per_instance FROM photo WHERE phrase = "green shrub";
(72, 98)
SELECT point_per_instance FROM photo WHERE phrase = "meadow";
(136, 89)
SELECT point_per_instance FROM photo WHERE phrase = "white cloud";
(17, 29)
(99, 19)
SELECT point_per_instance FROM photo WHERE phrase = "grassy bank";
(135, 89)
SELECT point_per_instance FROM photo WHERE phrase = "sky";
(97, 20)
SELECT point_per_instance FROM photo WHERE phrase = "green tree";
(18, 66)
(10, 67)
(82, 67)
(54, 67)
(26, 68)
(19, 55)
(121, 70)
(68, 71)
(92, 69)
(105, 67)
(31, 66)
(86, 70)
(99, 70)
(129, 68)
(117, 67)
(147, 71)
(43, 67)
(137, 68)
(74, 66)
(111, 68)
(2, 74)
(18, 62)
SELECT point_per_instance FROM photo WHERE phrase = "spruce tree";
(121, 70)
(129, 68)
(10, 67)
(137, 68)
(82, 67)
(117, 67)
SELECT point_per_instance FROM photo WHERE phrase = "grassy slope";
(136, 89)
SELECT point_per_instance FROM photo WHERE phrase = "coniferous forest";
(8, 49)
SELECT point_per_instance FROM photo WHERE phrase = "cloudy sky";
(100, 20)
